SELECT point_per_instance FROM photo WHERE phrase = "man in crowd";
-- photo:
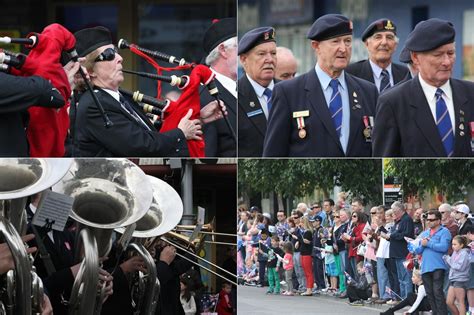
(328, 206)
(286, 65)
(430, 115)
(220, 45)
(257, 51)
(325, 112)
(380, 39)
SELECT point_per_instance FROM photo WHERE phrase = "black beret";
(89, 39)
(256, 37)
(219, 31)
(405, 55)
(430, 34)
(329, 26)
(381, 25)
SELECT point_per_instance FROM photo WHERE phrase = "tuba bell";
(108, 193)
(20, 178)
(165, 212)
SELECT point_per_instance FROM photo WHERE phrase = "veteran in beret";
(325, 112)
(132, 133)
(380, 39)
(405, 57)
(257, 52)
(220, 45)
(431, 115)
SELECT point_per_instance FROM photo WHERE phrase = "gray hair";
(214, 54)
(445, 206)
(398, 205)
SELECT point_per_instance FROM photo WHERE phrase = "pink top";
(289, 258)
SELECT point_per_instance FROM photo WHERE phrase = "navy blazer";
(252, 121)
(401, 229)
(363, 70)
(127, 137)
(304, 93)
(217, 136)
(404, 124)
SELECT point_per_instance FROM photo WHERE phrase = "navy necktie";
(443, 121)
(132, 112)
(385, 83)
(335, 106)
(268, 94)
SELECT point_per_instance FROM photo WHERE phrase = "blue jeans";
(382, 275)
(353, 268)
(404, 278)
(299, 270)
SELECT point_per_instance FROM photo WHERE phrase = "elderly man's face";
(333, 54)
(381, 46)
(108, 74)
(286, 67)
(259, 63)
(436, 66)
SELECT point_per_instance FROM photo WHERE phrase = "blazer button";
(177, 150)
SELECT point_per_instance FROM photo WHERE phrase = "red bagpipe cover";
(48, 127)
(189, 99)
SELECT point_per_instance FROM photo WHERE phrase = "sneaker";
(283, 282)
(315, 291)
(269, 292)
(357, 303)
(259, 285)
(367, 302)
(393, 302)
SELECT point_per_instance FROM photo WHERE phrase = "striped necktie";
(443, 121)
(335, 106)
(268, 94)
(385, 83)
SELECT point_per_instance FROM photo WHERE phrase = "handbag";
(361, 249)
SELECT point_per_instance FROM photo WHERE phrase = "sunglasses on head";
(107, 55)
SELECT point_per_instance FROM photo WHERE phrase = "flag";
(392, 294)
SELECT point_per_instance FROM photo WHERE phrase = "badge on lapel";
(299, 116)
(252, 104)
(461, 123)
(356, 102)
(255, 113)
(369, 126)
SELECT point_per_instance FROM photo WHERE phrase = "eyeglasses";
(431, 220)
(107, 55)
(314, 207)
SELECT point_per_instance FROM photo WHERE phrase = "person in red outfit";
(224, 306)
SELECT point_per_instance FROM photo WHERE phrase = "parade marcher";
(286, 64)
(132, 134)
(325, 112)
(430, 115)
(257, 52)
(435, 242)
(380, 39)
(17, 94)
(220, 45)
(405, 57)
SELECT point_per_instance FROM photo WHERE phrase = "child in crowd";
(251, 275)
(332, 269)
(263, 246)
(186, 297)
(224, 306)
(470, 287)
(459, 269)
(359, 290)
(288, 267)
(273, 264)
(418, 302)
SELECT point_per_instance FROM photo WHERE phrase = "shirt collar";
(258, 88)
(325, 79)
(114, 94)
(227, 82)
(431, 90)
(378, 71)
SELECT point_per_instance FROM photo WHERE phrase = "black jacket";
(403, 228)
(363, 70)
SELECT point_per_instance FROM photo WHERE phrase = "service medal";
(302, 133)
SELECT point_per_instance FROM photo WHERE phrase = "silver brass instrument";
(108, 193)
(20, 178)
(165, 212)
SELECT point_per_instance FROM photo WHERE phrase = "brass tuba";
(108, 193)
(20, 178)
(165, 212)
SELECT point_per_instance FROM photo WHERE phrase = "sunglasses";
(336, 216)
(354, 216)
(107, 55)
(373, 213)
(431, 220)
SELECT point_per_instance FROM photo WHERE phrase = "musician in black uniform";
(432, 114)
(381, 40)
(325, 112)
(257, 51)
(220, 45)
(132, 134)
(16, 95)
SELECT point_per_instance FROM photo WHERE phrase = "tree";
(450, 177)
(298, 177)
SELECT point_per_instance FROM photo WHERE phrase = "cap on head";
(89, 39)
(219, 31)
(405, 55)
(381, 25)
(430, 34)
(462, 208)
(329, 26)
(256, 37)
